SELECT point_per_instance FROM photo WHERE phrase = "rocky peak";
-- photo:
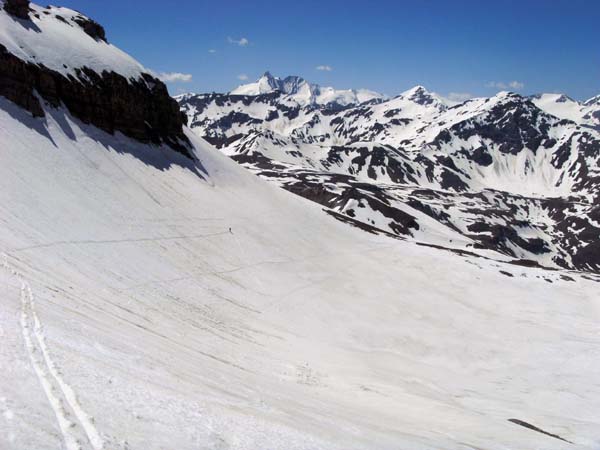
(296, 89)
(17, 8)
(292, 84)
(421, 96)
(267, 82)
(289, 85)
(564, 99)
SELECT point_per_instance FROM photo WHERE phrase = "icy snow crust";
(56, 43)
(132, 318)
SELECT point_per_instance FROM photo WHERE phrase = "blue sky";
(450, 47)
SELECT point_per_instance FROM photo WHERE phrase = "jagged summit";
(298, 90)
(268, 83)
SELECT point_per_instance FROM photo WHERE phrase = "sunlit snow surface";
(53, 39)
(158, 328)
(559, 105)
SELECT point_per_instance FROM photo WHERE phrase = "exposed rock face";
(18, 8)
(141, 109)
(16, 81)
(91, 28)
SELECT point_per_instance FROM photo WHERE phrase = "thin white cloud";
(459, 96)
(242, 42)
(212, 50)
(516, 85)
(173, 77)
(242, 77)
(324, 68)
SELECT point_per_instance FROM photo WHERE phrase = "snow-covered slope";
(559, 105)
(298, 90)
(148, 324)
(152, 300)
(56, 35)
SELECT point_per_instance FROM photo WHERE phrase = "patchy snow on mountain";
(416, 158)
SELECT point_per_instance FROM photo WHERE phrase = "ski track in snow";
(120, 241)
(55, 387)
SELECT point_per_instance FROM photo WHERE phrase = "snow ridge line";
(46, 370)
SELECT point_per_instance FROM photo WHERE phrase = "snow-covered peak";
(564, 107)
(594, 101)
(304, 93)
(550, 98)
(421, 96)
(502, 95)
(415, 91)
(185, 96)
(503, 98)
(415, 102)
(268, 83)
(55, 38)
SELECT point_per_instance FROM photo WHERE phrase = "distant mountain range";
(298, 90)
(514, 175)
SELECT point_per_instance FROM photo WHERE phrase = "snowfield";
(53, 38)
(132, 318)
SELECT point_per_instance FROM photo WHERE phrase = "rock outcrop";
(17, 8)
(91, 28)
(141, 109)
